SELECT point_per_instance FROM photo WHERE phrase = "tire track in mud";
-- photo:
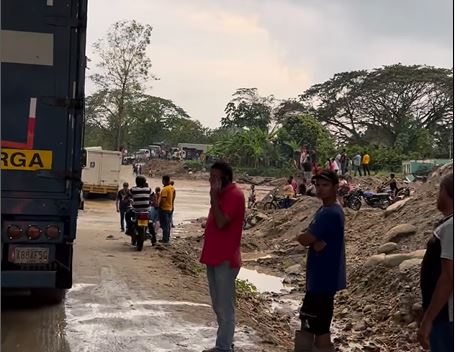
(111, 316)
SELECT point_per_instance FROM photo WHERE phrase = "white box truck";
(102, 172)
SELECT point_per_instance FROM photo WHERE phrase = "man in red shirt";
(221, 250)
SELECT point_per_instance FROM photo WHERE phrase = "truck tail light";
(33, 232)
(14, 232)
(52, 231)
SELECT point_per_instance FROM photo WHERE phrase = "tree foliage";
(382, 105)
(298, 131)
(248, 109)
(152, 119)
(123, 69)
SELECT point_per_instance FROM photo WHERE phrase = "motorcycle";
(277, 202)
(352, 200)
(140, 230)
(401, 193)
(374, 200)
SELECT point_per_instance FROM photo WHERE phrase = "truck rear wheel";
(49, 296)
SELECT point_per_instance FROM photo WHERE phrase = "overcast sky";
(203, 50)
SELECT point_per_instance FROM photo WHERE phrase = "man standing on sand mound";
(325, 267)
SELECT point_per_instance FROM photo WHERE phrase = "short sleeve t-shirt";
(222, 245)
(124, 199)
(366, 159)
(357, 160)
(141, 198)
(326, 270)
(166, 195)
(445, 232)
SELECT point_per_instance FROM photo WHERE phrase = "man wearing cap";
(325, 267)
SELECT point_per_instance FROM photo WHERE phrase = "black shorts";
(316, 313)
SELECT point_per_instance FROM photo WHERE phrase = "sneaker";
(214, 349)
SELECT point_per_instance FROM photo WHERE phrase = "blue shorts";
(442, 337)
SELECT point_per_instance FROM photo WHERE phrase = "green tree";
(250, 148)
(157, 119)
(381, 105)
(123, 69)
(305, 130)
(248, 109)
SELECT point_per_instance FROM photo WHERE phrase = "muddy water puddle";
(263, 282)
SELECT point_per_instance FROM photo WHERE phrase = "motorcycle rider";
(393, 185)
(140, 195)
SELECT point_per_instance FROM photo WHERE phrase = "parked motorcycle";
(374, 200)
(277, 202)
(352, 200)
(402, 192)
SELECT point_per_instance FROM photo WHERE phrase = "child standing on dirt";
(325, 268)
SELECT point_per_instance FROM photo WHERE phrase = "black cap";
(328, 175)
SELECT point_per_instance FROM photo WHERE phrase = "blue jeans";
(165, 224)
(442, 337)
(122, 214)
(221, 281)
(154, 215)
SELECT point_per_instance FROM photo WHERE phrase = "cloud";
(203, 50)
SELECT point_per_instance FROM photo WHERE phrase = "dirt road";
(122, 300)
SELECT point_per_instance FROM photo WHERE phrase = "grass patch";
(244, 287)
(194, 165)
(197, 268)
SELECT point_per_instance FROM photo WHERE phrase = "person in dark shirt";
(393, 184)
(325, 268)
(122, 203)
(436, 330)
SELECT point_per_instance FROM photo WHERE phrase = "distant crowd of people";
(341, 164)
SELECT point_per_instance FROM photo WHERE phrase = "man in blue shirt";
(325, 268)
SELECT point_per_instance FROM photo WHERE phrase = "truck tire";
(49, 296)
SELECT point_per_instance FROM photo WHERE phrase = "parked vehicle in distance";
(102, 172)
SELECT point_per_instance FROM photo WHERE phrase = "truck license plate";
(24, 255)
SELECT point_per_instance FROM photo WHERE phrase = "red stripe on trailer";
(31, 123)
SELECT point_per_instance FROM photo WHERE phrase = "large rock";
(375, 260)
(396, 206)
(294, 269)
(418, 254)
(396, 259)
(262, 216)
(387, 247)
(409, 263)
(400, 231)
